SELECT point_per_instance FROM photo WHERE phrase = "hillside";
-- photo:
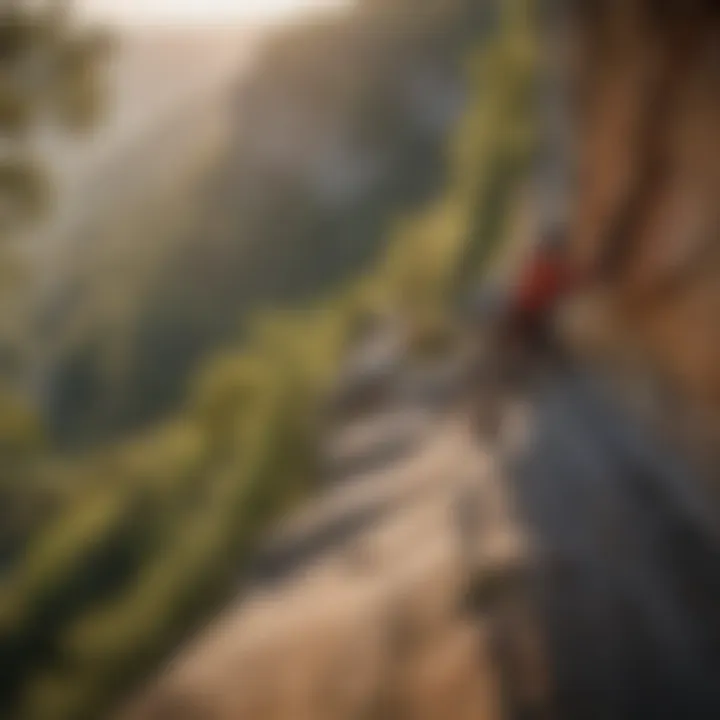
(115, 219)
(261, 191)
(204, 426)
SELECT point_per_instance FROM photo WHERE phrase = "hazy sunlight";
(201, 11)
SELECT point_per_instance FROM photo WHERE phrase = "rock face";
(626, 584)
(649, 188)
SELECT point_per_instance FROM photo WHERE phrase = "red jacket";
(542, 283)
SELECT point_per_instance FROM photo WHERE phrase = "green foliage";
(20, 432)
(125, 569)
(437, 253)
(503, 135)
(48, 70)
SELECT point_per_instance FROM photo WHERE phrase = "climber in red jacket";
(514, 325)
(545, 279)
(524, 327)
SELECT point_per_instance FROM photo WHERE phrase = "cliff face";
(648, 211)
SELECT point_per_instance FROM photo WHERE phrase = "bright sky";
(199, 11)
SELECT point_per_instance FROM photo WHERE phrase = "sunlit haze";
(201, 11)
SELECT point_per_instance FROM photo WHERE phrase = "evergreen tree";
(50, 72)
